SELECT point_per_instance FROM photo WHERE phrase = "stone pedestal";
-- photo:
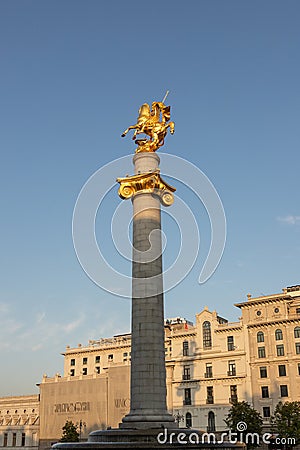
(166, 439)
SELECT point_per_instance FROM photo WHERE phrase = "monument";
(148, 190)
(148, 424)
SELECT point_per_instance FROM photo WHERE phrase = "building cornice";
(264, 300)
(229, 328)
(223, 378)
(274, 322)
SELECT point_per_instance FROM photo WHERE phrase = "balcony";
(186, 376)
(187, 401)
(231, 373)
(233, 399)
(210, 400)
(208, 375)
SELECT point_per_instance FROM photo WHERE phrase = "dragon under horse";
(154, 122)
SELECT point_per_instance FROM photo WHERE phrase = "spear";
(167, 93)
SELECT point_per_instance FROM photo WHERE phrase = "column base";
(147, 419)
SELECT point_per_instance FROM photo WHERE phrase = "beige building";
(272, 332)
(210, 365)
(19, 422)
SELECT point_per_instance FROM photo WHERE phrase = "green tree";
(246, 422)
(286, 422)
(70, 433)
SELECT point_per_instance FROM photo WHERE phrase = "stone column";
(148, 374)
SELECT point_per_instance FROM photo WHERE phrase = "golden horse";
(149, 122)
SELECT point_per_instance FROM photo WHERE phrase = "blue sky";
(73, 75)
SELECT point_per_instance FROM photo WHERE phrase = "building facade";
(209, 365)
(272, 332)
(20, 422)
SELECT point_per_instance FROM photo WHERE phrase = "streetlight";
(81, 425)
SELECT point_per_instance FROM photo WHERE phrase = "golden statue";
(154, 122)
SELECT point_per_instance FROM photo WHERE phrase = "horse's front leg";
(132, 127)
(138, 130)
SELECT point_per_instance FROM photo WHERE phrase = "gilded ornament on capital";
(146, 183)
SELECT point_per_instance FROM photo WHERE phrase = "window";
(187, 397)
(265, 392)
(260, 337)
(231, 369)
(297, 332)
(14, 439)
(276, 310)
(210, 394)
(284, 390)
(258, 313)
(23, 440)
(185, 348)
(72, 372)
(298, 368)
(280, 350)
(97, 369)
(72, 362)
(208, 370)
(263, 372)
(188, 420)
(233, 394)
(282, 370)
(84, 361)
(186, 372)
(278, 335)
(297, 310)
(125, 355)
(110, 357)
(211, 423)
(206, 334)
(266, 411)
(230, 343)
(97, 359)
(84, 371)
(261, 352)
(5, 440)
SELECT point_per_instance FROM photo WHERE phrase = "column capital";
(146, 183)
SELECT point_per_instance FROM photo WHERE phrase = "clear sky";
(73, 75)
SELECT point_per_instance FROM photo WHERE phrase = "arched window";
(297, 332)
(211, 425)
(260, 337)
(188, 420)
(206, 334)
(278, 335)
